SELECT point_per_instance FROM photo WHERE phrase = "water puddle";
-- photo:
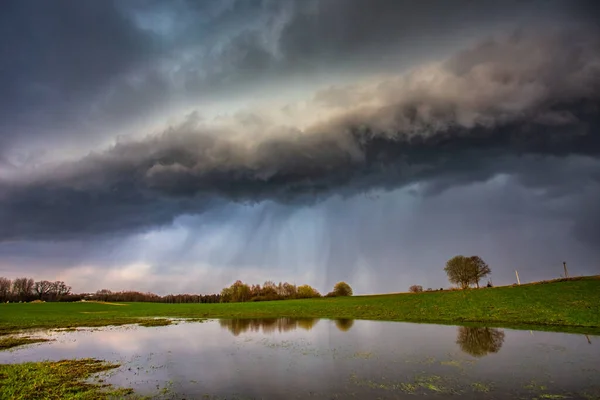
(332, 359)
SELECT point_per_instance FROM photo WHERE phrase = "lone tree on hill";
(465, 271)
(342, 289)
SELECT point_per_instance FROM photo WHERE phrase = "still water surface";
(333, 359)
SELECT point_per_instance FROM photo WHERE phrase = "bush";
(307, 292)
(416, 289)
(342, 289)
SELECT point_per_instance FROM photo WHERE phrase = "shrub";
(307, 291)
(342, 289)
(416, 289)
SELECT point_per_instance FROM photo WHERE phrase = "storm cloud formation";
(73, 67)
(520, 96)
(119, 118)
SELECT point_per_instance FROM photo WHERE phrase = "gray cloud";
(75, 70)
(57, 57)
(444, 124)
(324, 31)
(493, 151)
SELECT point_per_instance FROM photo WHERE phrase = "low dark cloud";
(443, 124)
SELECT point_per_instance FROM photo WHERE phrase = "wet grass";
(480, 387)
(156, 322)
(566, 306)
(9, 342)
(446, 385)
(539, 391)
(57, 380)
(424, 384)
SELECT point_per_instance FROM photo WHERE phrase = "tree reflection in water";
(270, 325)
(479, 342)
(267, 325)
(344, 325)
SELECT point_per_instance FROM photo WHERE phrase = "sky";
(177, 146)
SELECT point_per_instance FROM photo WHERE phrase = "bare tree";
(42, 288)
(480, 268)
(102, 294)
(465, 271)
(23, 288)
(460, 271)
(59, 289)
(416, 289)
(5, 286)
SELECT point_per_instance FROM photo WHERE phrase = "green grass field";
(569, 306)
(66, 379)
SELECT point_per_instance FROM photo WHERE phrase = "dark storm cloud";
(448, 123)
(301, 38)
(72, 68)
(56, 56)
(323, 31)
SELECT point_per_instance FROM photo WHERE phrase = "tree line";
(237, 292)
(26, 289)
(134, 296)
(269, 291)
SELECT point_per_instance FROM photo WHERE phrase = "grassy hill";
(571, 305)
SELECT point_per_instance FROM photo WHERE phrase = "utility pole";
(518, 281)
(565, 267)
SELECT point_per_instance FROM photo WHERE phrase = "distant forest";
(26, 290)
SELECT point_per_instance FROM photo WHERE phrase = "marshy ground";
(566, 306)
(66, 350)
(305, 358)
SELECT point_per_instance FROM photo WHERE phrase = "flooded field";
(332, 359)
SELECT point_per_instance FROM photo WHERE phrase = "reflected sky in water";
(300, 358)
